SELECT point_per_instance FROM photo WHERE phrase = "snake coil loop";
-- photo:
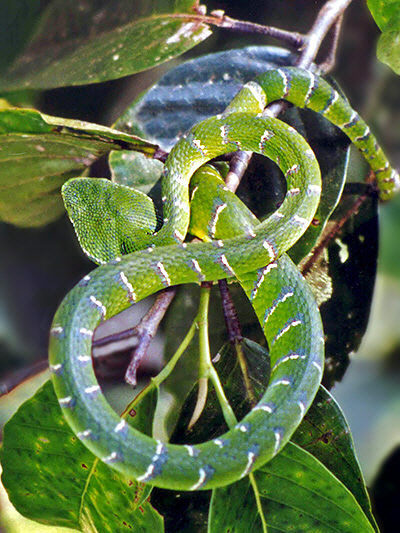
(281, 299)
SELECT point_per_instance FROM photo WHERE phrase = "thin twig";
(146, 330)
(294, 39)
(230, 314)
(237, 167)
(218, 18)
(330, 60)
(329, 13)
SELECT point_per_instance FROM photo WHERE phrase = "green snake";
(282, 301)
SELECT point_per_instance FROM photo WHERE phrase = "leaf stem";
(231, 421)
(258, 502)
(206, 368)
(235, 335)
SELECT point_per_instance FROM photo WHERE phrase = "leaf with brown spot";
(61, 483)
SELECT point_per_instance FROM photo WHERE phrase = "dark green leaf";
(17, 18)
(325, 434)
(52, 478)
(196, 90)
(38, 153)
(297, 494)
(95, 40)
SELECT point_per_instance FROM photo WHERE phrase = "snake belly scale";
(282, 301)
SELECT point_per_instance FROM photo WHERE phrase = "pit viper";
(282, 300)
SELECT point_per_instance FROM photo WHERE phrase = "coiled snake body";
(282, 301)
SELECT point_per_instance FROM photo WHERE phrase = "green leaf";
(387, 16)
(297, 493)
(388, 50)
(141, 411)
(325, 434)
(77, 44)
(135, 170)
(38, 153)
(52, 478)
(383, 11)
(20, 17)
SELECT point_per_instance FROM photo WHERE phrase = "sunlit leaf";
(52, 478)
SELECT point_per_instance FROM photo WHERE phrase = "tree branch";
(330, 13)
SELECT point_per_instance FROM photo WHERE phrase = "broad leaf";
(52, 478)
(38, 153)
(196, 90)
(383, 11)
(387, 16)
(297, 492)
(325, 434)
(19, 17)
(94, 40)
(388, 50)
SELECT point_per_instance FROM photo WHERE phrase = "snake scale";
(282, 301)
